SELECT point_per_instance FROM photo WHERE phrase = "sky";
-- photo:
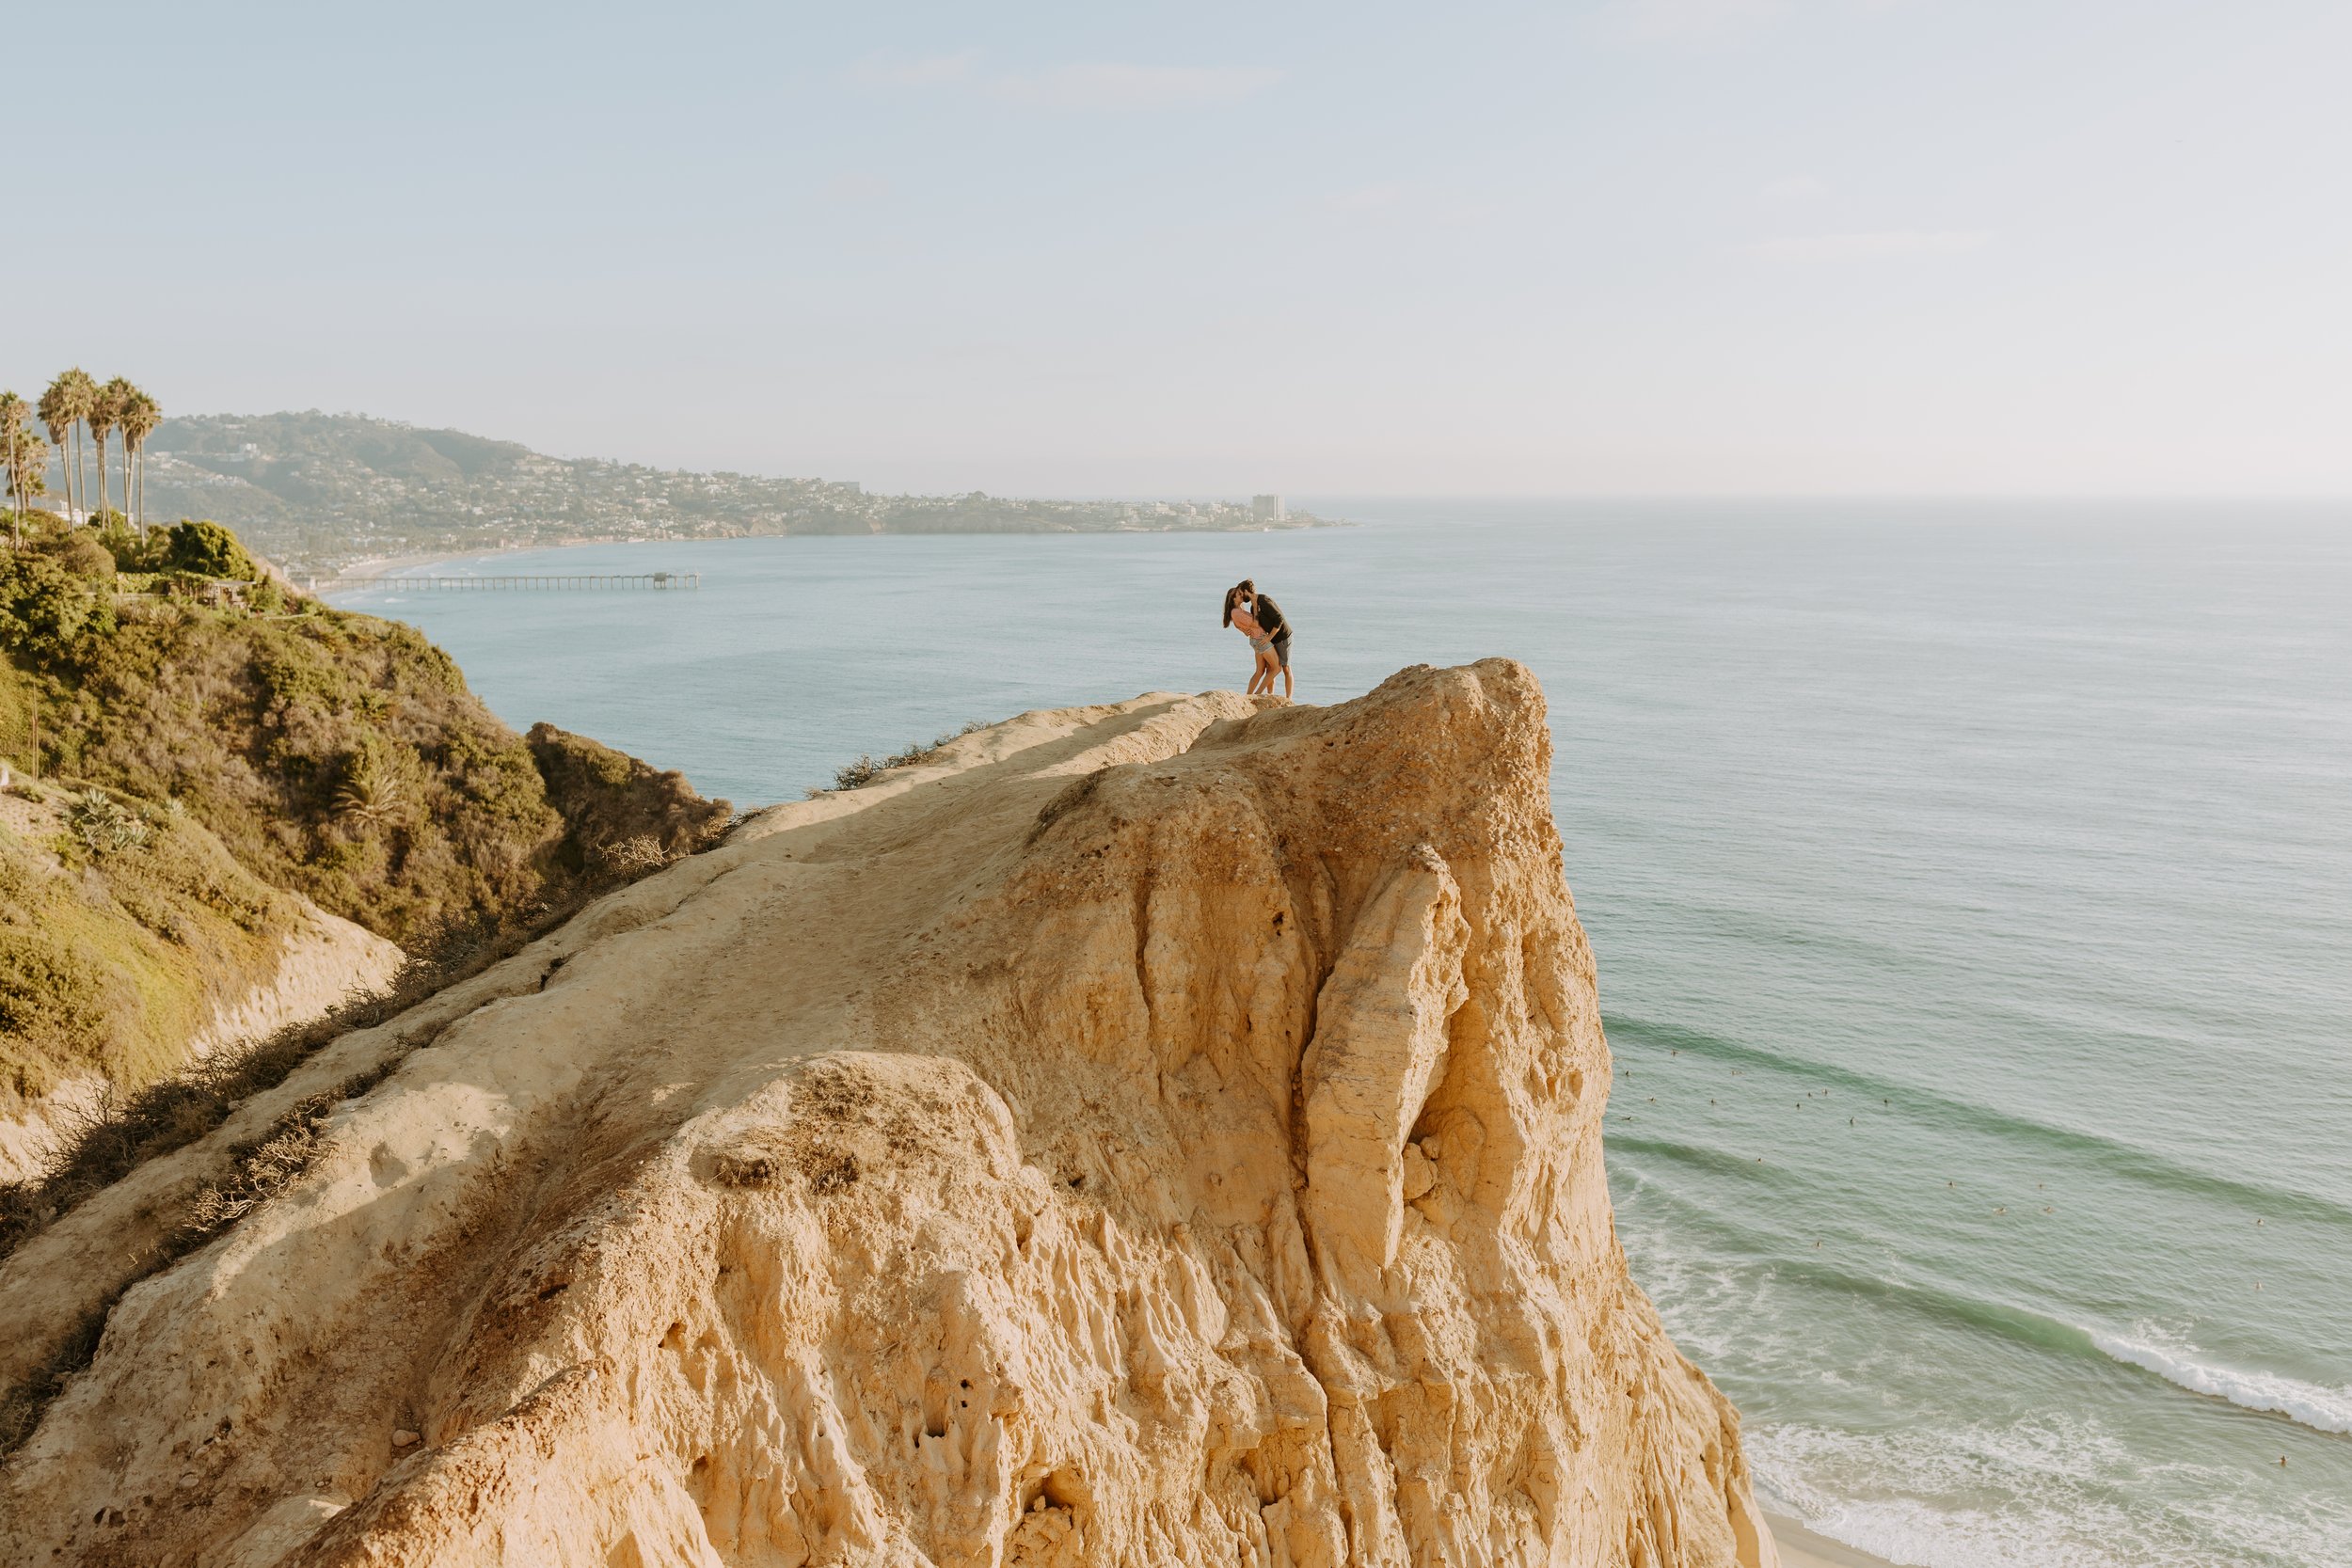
(1616, 247)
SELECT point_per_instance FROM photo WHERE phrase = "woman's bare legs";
(1262, 678)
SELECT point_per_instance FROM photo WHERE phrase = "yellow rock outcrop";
(1167, 1132)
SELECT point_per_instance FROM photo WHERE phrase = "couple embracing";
(1260, 619)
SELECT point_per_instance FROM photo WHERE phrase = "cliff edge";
(1165, 1132)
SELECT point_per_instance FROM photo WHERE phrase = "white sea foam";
(1979, 1496)
(2049, 1490)
(2306, 1404)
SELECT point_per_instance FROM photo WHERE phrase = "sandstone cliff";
(1168, 1132)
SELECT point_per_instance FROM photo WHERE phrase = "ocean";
(1972, 891)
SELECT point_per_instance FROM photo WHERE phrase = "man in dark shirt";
(1276, 624)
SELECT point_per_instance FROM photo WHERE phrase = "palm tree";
(14, 414)
(142, 414)
(62, 408)
(27, 456)
(102, 415)
(58, 416)
(85, 399)
(121, 396)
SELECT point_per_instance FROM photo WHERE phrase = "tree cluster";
(57, 591)
(77, 403)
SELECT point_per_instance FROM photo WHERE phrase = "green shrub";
(20, 699)
(333, 754)
(134, 549)
(626, 817)
(210, 551)
(80, 556)
(46, 613)
(53, 1008)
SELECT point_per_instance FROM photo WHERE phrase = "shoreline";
(1802, 1548)
(377, 565)
(374, 565)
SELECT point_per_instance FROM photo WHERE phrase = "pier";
(583, 581)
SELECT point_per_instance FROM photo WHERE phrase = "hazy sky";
(1640, 245)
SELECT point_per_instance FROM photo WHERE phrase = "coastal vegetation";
(186, 744)
(621, 817)
(122, 925)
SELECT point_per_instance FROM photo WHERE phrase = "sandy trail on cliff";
(1166, 1132)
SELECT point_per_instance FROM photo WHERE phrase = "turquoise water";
(1972, 889)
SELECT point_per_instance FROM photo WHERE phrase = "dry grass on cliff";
(864, 768)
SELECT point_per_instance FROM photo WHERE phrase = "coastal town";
(319, 491)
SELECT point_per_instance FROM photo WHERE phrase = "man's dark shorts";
(1282, 649)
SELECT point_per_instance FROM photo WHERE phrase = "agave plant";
(379, 784)
(103, 825)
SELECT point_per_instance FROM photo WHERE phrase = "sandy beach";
(379, 566)
(347, 577)
(1802, 1548)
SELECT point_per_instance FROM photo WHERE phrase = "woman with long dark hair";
(1261, 645)
(1272, 621)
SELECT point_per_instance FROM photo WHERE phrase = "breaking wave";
(2304, 1404)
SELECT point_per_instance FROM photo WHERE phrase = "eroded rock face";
(1159, 1133)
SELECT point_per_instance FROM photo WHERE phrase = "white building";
(1267, 509)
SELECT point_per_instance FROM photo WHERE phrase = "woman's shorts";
(1261, 644)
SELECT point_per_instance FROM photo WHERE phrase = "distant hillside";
(317, 490)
